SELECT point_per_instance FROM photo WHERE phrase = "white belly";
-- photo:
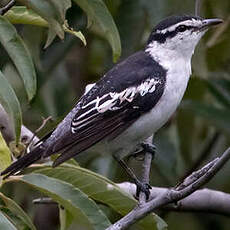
(176, 83)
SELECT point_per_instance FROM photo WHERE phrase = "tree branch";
(190, 185)
(203, 200)
(4, 9)
(7, 130)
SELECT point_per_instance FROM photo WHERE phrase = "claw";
(139, 153)
(150, 148)
(143, 187)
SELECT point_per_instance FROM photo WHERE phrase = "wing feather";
(90, 138)
(112, 105)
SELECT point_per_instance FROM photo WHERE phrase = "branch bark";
(203, 200)
(169, 196)
(7, 130)
(9, 5)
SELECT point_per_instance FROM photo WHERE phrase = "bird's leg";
(141, 187)
(139, 154)
(149, 150)
(144, 187)
(149, 147)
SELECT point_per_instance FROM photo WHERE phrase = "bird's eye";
(181, 28)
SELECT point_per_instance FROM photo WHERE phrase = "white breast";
(176, 82)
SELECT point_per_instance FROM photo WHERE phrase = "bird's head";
(180, 33)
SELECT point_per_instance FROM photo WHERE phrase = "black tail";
(23, 162)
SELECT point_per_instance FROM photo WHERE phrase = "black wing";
(130, 89)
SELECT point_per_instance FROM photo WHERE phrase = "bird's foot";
(143, 187)
(139, 154)
(148, 147)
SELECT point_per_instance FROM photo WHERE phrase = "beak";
(207, 23)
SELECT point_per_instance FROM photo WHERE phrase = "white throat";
(178, 69)
(169, 57)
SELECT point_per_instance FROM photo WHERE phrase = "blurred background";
(198, 131)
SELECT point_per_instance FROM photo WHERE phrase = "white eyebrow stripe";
(192, 22)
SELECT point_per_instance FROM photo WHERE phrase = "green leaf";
(62, 218)
(131, 25)
(216, 116)
(224, 83)
(22, 15)
(98, 13)
(5, 155)
(5, 223)
(220, 89)
(10, 102)
(47, 10)
(77, 34)
(156, 11)
(69, 197)
(218, 93)
(17, 210)
(66, 218)
(62, 6)
(187, 126)
(101, 189)
(166, 162)
(19, 54)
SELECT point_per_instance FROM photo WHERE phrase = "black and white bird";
(131, 101)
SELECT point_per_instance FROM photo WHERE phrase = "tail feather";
(23, 162)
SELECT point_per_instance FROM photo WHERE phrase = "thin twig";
(44, 122)
(198, 7)
(7, 7)
(196, 175)
(26, 136)
(170, 196)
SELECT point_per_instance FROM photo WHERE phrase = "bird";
(132, 101)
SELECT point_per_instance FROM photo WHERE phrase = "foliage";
(5, 158)
(36, 68)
